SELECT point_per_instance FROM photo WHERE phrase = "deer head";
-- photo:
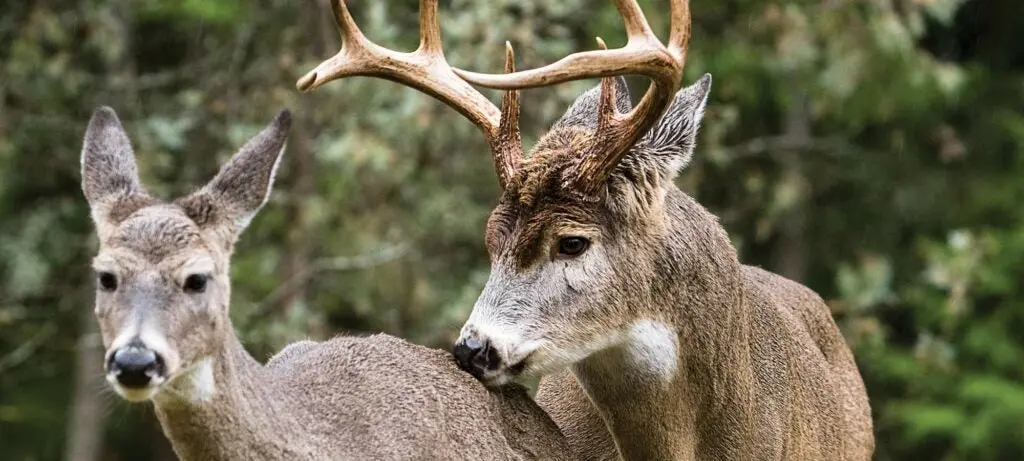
(575, 213)
(574, 260)
(162, 270)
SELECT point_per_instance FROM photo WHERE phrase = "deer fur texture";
(656, 341)
(162, 295)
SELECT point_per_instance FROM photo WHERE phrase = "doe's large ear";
(110, 178)
(230, 200)
(671, 142)
(583, 112)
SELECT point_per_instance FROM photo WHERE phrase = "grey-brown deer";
(162, 296)
(657, 343)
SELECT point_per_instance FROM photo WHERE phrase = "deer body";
(162, 298)
(600, 265)
(343, 400)
(763, 374)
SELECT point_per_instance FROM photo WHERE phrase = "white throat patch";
(653, 349)
(196, 385)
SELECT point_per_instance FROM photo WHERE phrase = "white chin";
(134, 395)
(498, 380)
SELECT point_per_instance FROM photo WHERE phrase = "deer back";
(391, 399)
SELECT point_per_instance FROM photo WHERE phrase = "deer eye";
(195, 283)
(572, 246)
(107, 281)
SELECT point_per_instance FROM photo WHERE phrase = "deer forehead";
(543, 172)
(160, 234)
(547, 176)
(524, 234)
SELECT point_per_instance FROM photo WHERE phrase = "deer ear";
(671, 142)
(230, 200)
(583, 112)
(110, 178)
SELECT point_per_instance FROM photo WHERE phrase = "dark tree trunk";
(789, 257)
(85, 427)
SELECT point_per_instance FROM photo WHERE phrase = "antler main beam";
(425, 70)
(643, 54)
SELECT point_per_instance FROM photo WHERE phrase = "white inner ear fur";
(273, 173)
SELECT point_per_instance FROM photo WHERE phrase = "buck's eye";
(195, 283)
(572, 246)
(107, 281)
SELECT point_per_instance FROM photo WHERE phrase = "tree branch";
(340, 263)
(26, 349)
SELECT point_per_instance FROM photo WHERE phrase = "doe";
(162, 295)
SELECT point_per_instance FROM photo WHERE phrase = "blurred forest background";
(872, 149)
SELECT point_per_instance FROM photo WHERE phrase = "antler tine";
(510, 142)
(430, 28)
(606, 105)
(643, 55)
(633, 18)
(346, 25)
(425, 70)
(679, 34)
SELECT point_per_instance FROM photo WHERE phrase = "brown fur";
(374, 398)
(751, 367)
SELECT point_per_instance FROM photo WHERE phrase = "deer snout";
(476, 356)
(135, 366)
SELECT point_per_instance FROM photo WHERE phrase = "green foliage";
(221, 11)
(872, 150)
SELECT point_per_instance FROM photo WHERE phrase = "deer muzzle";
(135, 366)
(136, 370)
(477, 356)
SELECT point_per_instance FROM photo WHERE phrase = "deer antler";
(426, 70)
(643, 54)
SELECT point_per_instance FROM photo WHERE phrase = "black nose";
(476, 356)
(135, 366)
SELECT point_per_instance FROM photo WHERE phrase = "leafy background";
(870, 149)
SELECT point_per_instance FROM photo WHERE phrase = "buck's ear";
(231, 199)
(583, 112)
(671, 142)
(109, 174)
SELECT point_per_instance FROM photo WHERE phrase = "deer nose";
(135, 366)
(476, 356)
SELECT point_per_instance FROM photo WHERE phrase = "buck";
(656, 342)
(162, 296)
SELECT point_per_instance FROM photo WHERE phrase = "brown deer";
(657, 341)
(162, 297)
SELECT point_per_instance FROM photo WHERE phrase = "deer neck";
(222, 409)
(680, 363)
